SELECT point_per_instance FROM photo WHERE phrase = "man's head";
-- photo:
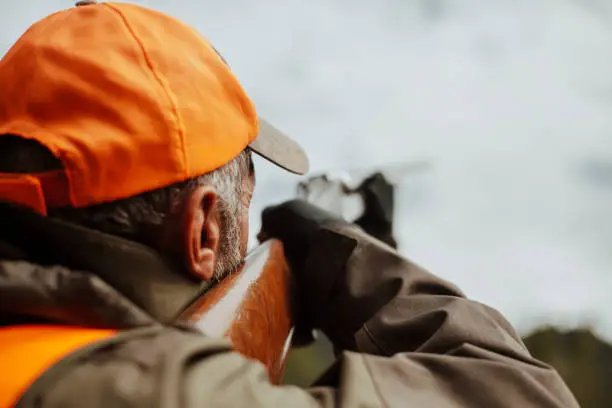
(200, 224)
(127, 121)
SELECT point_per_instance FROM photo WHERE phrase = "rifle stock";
(252, 308)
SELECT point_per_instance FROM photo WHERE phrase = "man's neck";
(135, 271)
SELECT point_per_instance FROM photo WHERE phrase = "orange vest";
(27, 351)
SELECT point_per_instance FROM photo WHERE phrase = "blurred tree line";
(582, 359)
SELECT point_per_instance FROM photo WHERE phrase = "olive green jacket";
(408, 338)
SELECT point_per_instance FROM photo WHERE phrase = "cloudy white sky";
(510, 100)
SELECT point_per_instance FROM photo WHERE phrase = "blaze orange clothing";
(27, 351)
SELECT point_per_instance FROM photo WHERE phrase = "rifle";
(253, 306)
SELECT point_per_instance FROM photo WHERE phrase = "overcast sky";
(510, 100)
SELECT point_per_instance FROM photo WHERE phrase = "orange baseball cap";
(130, 100)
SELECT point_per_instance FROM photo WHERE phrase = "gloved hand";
(378, 199)
(316, 254)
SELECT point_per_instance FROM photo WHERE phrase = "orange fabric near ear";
(24, 190)
(35, 191)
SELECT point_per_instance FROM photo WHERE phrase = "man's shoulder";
(132, 368)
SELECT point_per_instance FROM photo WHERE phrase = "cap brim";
(276, 147)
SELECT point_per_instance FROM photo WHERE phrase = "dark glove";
(377, 218)
(316, 254)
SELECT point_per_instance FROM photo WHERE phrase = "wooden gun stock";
(252, 308)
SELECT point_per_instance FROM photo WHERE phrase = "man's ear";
(201, 232)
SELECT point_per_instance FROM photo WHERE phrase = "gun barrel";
(394, 172)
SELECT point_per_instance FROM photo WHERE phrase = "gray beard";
(230, 254)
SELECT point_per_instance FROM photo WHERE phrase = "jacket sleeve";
(407, 339)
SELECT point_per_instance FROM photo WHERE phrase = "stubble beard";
(231, 253)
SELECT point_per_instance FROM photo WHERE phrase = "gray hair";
(136, 217)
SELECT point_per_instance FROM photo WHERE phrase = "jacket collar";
(135, 274)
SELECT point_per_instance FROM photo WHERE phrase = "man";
(126, 181)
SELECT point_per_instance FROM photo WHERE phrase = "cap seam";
(160, 80)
